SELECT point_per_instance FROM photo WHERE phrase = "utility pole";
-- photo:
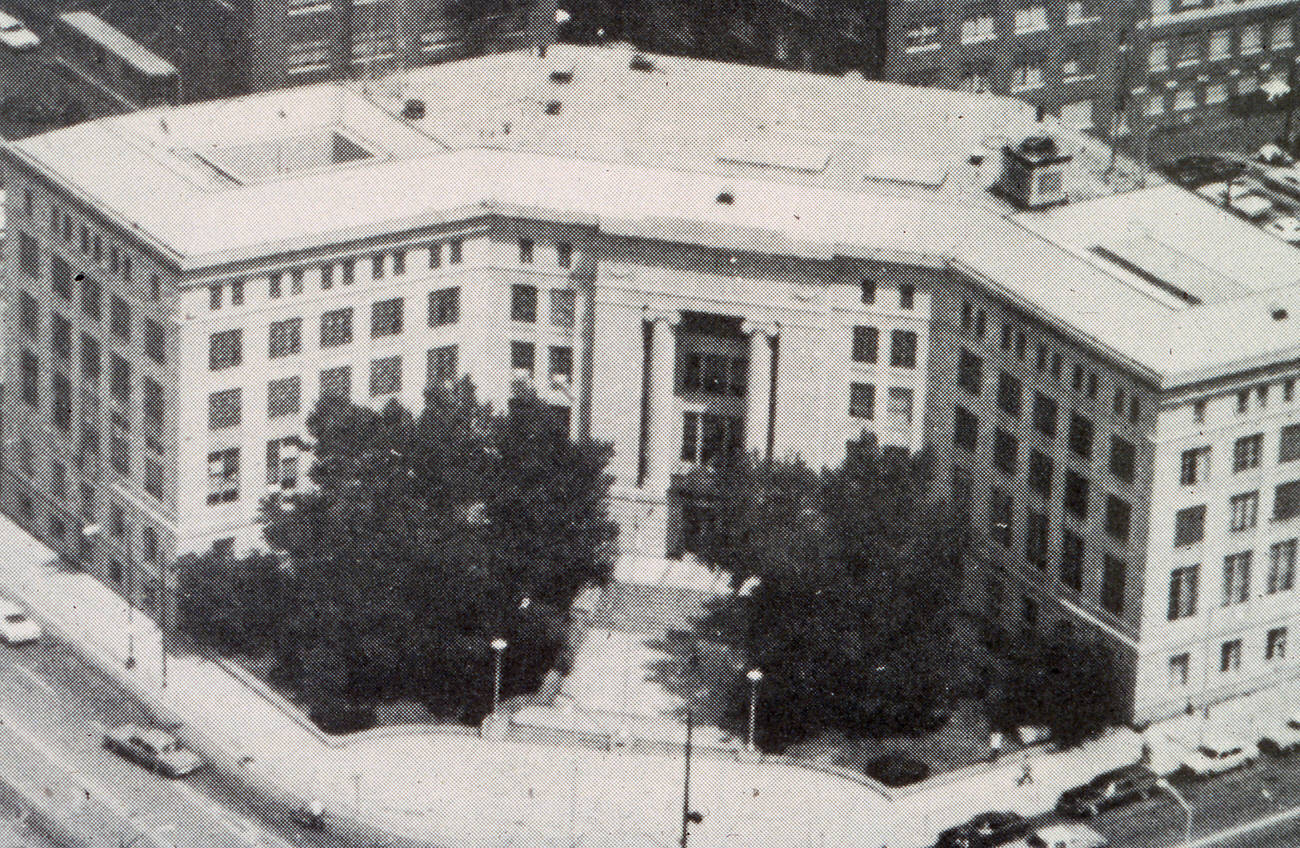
(686, 789)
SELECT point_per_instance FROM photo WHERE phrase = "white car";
(1216, 755)
(15, 36)
(1284, 737)
(16, 628)
(1285, 227)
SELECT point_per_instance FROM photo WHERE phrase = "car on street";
(1285, 227)
(15, 36)
(897, 770)
(1108, 789)
(986, 830)
(1216, 755)
(1282, 738)
(1065, 836)
(154, 749)
(1196, 171)
(16, 627)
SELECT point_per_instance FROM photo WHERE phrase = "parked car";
(155, 749)
(897, 770)
(15, 36)
(1285, 737)
(1108, 789)
(1065, 836)
(1285, 227)
(16, 627)
(1217, 754)
(985, 831)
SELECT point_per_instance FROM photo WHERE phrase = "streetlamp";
(130, 614)
(755, 677)
(499, 648)
(1182, 802)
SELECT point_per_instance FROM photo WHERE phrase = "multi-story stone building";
(686, 259)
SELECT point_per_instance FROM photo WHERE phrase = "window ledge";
(924, 48)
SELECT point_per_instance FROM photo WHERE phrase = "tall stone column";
(660, 444)
(758, 399)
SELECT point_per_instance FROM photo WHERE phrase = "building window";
(1244, 511)
(1076, 381)
(1252, 39)
(1183, 585)
(399, 263)
(1076, 493)
(1027, 73)
(1275, 647)
(62, 408)
(967, 317)
(1113, 580)
(1281, 567)
(862, 401)
(1180, 666)
(867, 291)
(336, 382)
(29, 256)
(1286, 501)
(31, 369)
(283, 397)
(275, 285)
(1045, 415)
(1230, 656)
(525, 251)
(561, 365)
(564, 255)
(443, 364)
(153, 479)
(216, 293)
(1081, 435)
(61, 278)
(1243, 402)
(523, 303)
(1036, 530)
(282, 462)
(866, 343)
(119, 379)
(1006, 451)
(1158, 56)
(155, 341)
(223, 476)
(61, 337)
(326, 277)
(1280, 34)
(1118, 517)
(1122, 458)
(521, 360)
(285, 338)
(385, 376)
(90, 358)
(922, 35)
(1261, 396)
(225, 350)
(709, 438)
(1072, 560)
(1189, 525)
(1007, 334)
(965, 428)
(377, 266)
(1001, 516)
(562, 307)
(236, 292)
(1040, 473)
(1288, 444)
(225, 409)
(1031, 19)
(903, 349)
(970, 372)
(1247, 450)
(963, 493)
(154, 405)
(1236, 578)
(119, 318)
(444, 306)
(91, 298)
(1195, 466)
(455, 252)
(1079, 61)
(386, 318)
(1198, 412)
(349, 269)
(1009, 393)
(979, 25)
(1187, 50)
(29, 315)
(898, 410)
(336, 327)
(906, 296)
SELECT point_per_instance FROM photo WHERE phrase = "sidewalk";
(465, 791)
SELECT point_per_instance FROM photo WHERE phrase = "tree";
(857, 572)
(230, 605)
(1065, 683)
(425, 537)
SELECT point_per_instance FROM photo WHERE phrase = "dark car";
(985, 831)
(1108, 789)
(897, 770)
(1196, 171)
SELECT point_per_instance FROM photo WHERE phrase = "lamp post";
(755, 677)
(498, 648)
(1182, 802)
(130, 614)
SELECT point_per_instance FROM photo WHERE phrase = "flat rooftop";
(816, 166)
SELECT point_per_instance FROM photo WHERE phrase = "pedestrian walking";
(1026, 772)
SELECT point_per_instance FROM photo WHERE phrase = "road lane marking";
(74, 774)
(1241, 829)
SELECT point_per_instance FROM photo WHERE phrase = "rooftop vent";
(1279, 314)
(561, 77)
(1033, 173)
(414, 110)
(726, 198)
(641, 62)
(553, 108)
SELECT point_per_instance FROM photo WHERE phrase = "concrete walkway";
(461, 790)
